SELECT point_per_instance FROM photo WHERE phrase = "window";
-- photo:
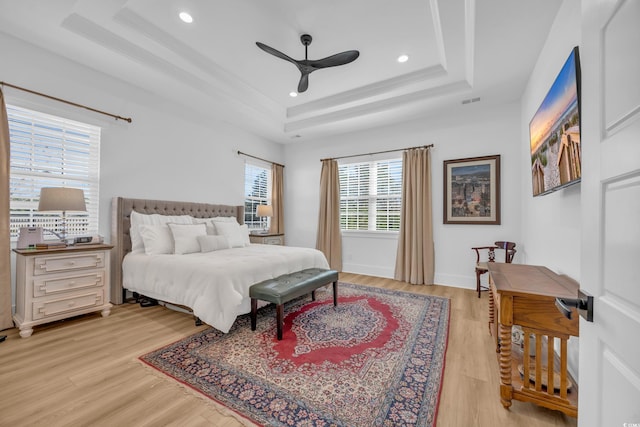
(371, 195)
(257, 191)
(50, 151)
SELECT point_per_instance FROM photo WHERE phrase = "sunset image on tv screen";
(555, 132)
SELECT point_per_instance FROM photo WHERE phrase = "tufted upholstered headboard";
(121, 223)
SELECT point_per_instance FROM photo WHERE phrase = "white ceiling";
(458, 50)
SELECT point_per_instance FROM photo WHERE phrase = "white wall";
(469, 131)
(551, 223)
(168, 152)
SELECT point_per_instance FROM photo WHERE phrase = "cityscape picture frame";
(472, 190)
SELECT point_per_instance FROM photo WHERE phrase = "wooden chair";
(481, 266)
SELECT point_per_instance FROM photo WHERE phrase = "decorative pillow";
(210, 222)
(138, 219)
(157, 239)
(224, 219)
(233, 233)
(185, 237)
(244, 229)
(213, 243)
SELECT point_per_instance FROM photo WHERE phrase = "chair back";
(509, 250)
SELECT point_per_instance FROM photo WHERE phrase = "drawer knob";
(72, 263)
(72, 303)
(72, 284)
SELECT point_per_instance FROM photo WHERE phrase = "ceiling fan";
(306, 66)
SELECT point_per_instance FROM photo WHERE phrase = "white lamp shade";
(62, 199)
(264, 210)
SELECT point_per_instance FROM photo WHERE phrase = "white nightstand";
(267, 239)
(54, 284)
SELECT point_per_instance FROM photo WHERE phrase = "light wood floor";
(84, 371)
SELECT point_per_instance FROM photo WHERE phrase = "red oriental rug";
(377, 359)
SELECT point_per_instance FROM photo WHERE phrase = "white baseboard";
(455, 281)
(369, 270)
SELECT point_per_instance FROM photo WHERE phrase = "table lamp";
(264, 211)
(62, 199)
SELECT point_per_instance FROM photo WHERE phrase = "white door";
(609, 366)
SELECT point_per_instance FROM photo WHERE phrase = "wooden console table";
(525, 295)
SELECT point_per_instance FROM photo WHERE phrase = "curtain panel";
(415, 258)
(329, 239)
(5, 237)
(277, 199)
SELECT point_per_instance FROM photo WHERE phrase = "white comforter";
(215, 285)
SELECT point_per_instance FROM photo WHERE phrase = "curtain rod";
(258, 158)
(126, 119)
(377, 152)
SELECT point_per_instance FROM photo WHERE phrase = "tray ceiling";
(458, 50)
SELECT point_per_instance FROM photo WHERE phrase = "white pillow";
(185, 237)
(213, 243)
(157, 239)
(138, 219)
(210, 222)
(224, 219)
(244, 229)
(234, 233)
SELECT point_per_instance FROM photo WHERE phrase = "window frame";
(250, 202)
(52, 151)
(372, 196)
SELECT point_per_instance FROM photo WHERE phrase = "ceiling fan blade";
(335, 60)
(304, 82)
(277, 53)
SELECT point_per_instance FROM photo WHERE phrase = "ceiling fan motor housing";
(306, 39)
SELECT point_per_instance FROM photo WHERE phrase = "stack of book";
(51, 245)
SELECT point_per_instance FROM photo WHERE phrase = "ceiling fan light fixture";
(403, 58)
(186, 17)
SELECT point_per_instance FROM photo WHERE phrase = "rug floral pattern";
(377, 359)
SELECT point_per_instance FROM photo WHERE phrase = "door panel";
(621, 88)
(609, 366)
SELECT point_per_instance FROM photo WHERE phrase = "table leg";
(506, 389)
(491, 310)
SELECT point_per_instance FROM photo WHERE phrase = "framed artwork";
(472, 190)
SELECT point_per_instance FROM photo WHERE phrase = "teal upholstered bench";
(289, 286)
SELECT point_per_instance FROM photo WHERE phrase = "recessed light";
(403, 58)
(293, 94)
(186, 17)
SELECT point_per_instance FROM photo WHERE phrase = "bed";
(214, 285)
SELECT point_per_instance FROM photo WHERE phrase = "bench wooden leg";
(313, 295)
(254, 313)
(279, 319)
(335, 293)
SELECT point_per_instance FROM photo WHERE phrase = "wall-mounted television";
(554, 132)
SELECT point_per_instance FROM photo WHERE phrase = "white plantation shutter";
(388, 194)
(257, 191)
(50, 151)
(371, 195)
(354, 196)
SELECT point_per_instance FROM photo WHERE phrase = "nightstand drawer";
(276, 240)
(42, 309)
(267, 239)
(45, 265)
(51, 286)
